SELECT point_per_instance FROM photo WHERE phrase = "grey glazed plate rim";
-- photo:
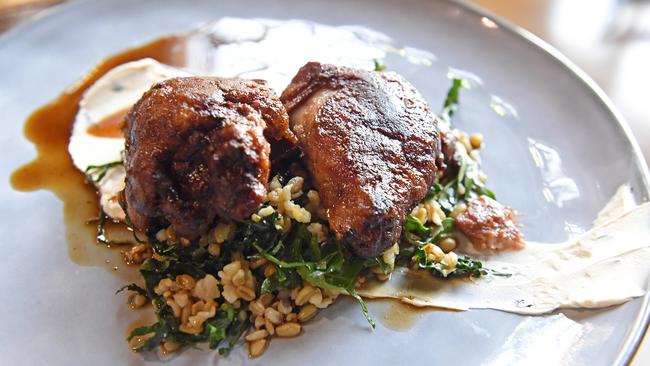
(641, 323)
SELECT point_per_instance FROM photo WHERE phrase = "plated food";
(252, 209)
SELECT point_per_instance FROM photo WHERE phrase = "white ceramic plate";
(58, 313)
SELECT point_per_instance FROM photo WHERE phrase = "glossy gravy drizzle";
(49, 128)
(401, 317)
(109, 126)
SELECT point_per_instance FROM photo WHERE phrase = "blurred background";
(609, 39)
(14, 11)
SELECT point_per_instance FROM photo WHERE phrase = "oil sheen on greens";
(297, 255)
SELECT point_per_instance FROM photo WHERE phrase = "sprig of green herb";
(329, 266)
(466, 266)
(224, 326)
(420, 234)
(297, 256)
(95, 173)
(133, 287)
(465, 186)
(450, 105)
(450, 194)
(172, 261)
(379, 66)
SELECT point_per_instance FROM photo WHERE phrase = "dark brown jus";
(49, 129)
(109, 126)
(196, 150)
(371, 145)
(400, 316)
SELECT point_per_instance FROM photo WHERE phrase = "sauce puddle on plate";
(49, 128)
(400, 316)
(109, 126)
(146, 318)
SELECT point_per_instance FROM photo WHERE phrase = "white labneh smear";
(117, 90)
(605, 266)
(622, 201)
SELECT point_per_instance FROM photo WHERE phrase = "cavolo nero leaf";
(101, 231)
(449, 195)
(450, 105)
(469, 267)
(236, 330)
(379, 66)
(474, 186)
(159, 330)
(281, 279)
(216, 329)
(466, 267)
(216, 333)
(153, 270)
(413, 225)
(224, 326)
(464, 187)
(364, 309)
(379, 262)
(469, 172)
(95, 173)
(427, 234)
(133, 287)
(329, 268)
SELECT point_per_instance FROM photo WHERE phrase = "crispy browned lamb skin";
(452, 157)
(371, 145)
(195, 149)
(489, 225)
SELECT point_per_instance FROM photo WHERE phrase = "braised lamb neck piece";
(196, 150)
(489, 225)
(371, 145)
